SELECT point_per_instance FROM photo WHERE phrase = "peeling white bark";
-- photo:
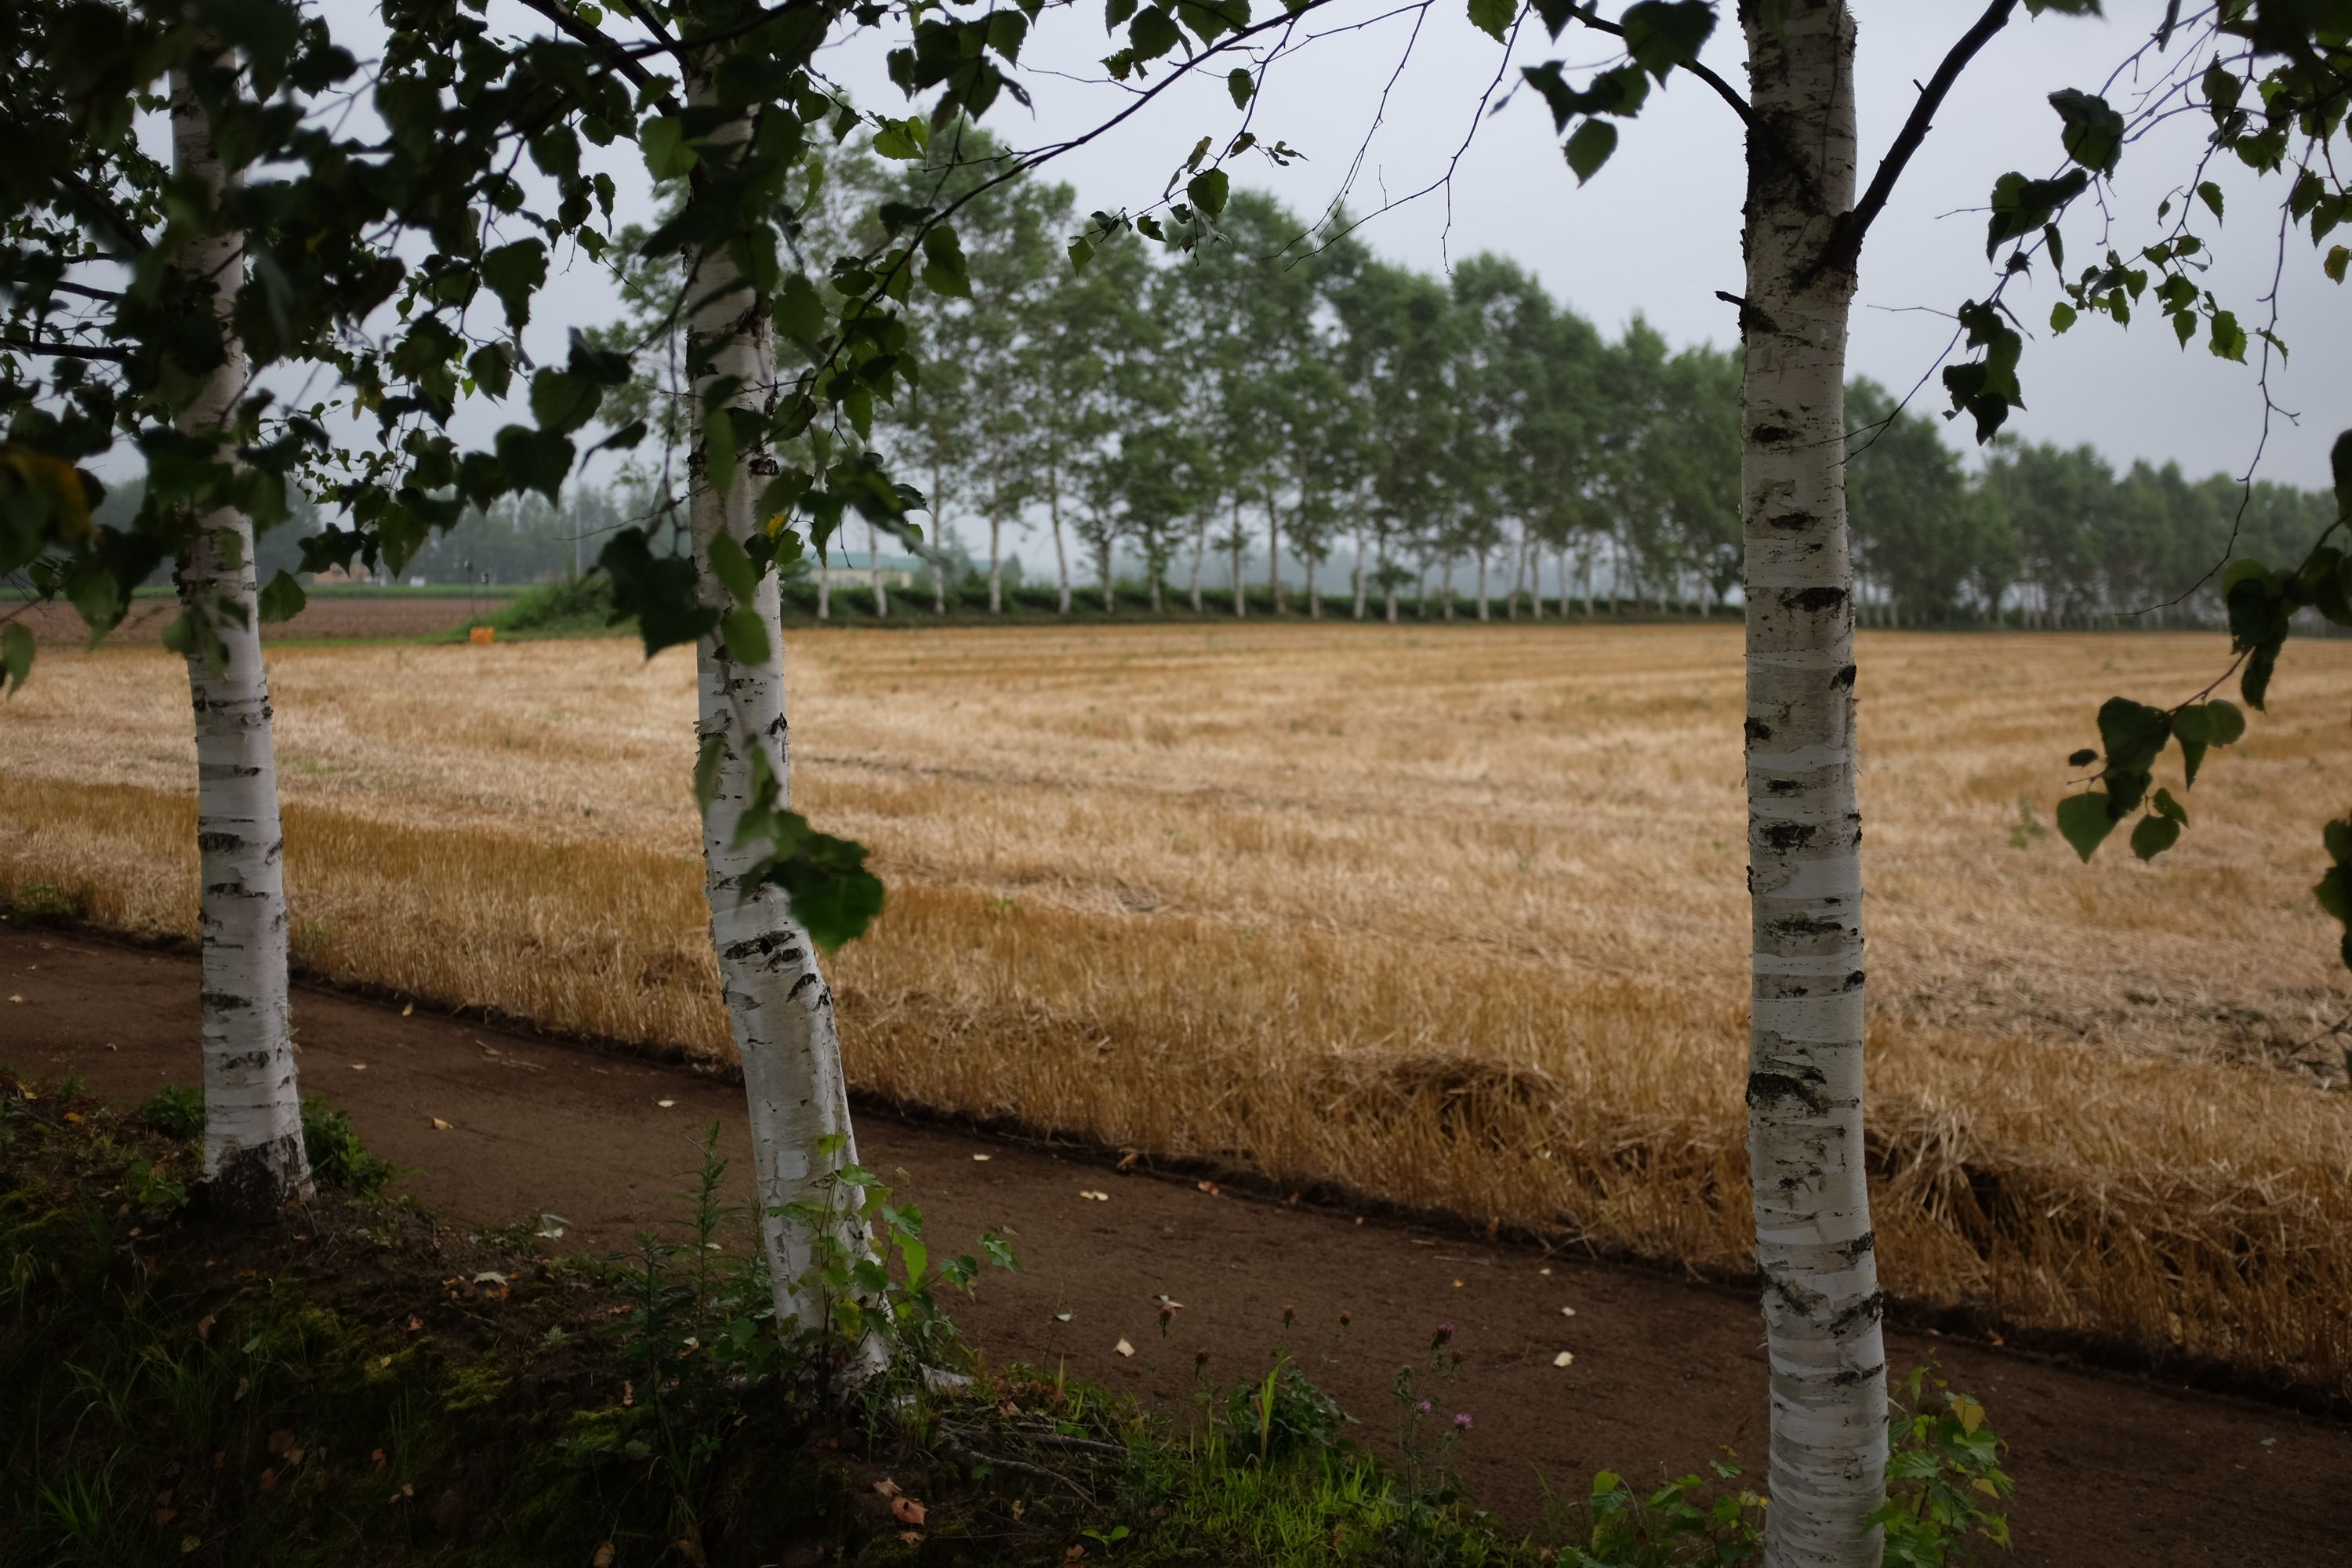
(779, 1008)
(254, 1158)
(1813, 1239)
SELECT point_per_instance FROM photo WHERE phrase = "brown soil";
(323, 617)
(2110, 1469)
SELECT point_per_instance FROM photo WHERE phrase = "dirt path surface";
(2110, 1470)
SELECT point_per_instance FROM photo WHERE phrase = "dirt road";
(2110, 1469)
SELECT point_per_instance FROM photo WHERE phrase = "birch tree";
(253, 1159)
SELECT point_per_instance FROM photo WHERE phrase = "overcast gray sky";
(1656, 232)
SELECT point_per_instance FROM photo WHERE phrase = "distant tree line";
(1333, 434)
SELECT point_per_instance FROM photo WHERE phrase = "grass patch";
(360, 1385)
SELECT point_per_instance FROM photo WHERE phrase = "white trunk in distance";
(1054, 515)
(874, 565)
(779, 1008)
(1273, 555)
(1813, 1240)
(254, 1158)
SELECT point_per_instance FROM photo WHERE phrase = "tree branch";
(96, 201)
(1844, 247)
(1723, 89)
(617, 55)
(66, 351)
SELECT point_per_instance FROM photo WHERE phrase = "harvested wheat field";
(1452, 917)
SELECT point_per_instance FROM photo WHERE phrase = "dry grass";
(1452, 917)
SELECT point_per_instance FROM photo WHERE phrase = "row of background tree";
(1169, 429)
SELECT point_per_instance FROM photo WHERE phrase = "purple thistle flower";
(1462, 1421)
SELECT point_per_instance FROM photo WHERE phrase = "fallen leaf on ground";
(887, 1487)
(907, 1510)
(1208, 1187)
(1060, 1317)
(982, 1158)
(438, 1125)
(1565, 1358)
(910, 1537)
(405, 1012)
(1093, 1197)
(1567, 1312)
(1457, 1284)
(1123, 1347)
(665, 1104)
(359, 1067)
(603, 1558)
(16, 998)
(1544, 1272)
(1127, 1160)
(188, 1543)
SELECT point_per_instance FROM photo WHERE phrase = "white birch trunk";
(823, 592)
(874, 565)
(1273, 555)
(254, 1158)
(1314, 592)
(1813, 1239)
(995, 565)
(1109, 604)
(939, 538)
(779, 1008)
(1361, 584)
(1054, 511)
(1199, 550)
(1485, 612)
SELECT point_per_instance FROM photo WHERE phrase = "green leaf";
(1208, 190)
(732, 565)
(2339, 464)
(1239, 83)
(668, 157)
(563, 401)
(1492, 17)
(722, 452)
(1661, 34)
(2219, 722)
(1082, 250)
(2193, 757)
(707, 759)
(2338, 258)
(281, 599)
(2333, 892)
(2094, 133)
(945, 270)
(2133, 732)
(2061, 316)
(16, 654)
(1590, 148)
(746, 636)
(2212, 194)
(2169, 808)
(2229, 338)
(2083, 822)
(514, 272)
(800, 312)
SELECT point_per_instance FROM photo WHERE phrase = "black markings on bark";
(1814, 600)
(1792, 520)
(1867, 1311)
(808, 978)
(1843, 677)
(1790, 835)
(1805, 925)
(1758, 731)
(212, 843)
(223, 1002)
(1769, 435)
(1859, 1247)
(1854, 979)
(1782, 786)
(1765, 1087)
